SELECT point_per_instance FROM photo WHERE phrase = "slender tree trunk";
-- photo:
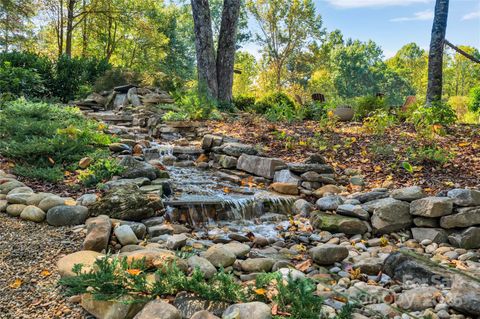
(69, 33)
(226, 49)
(206, 64)
(435, 58)
(84, 32)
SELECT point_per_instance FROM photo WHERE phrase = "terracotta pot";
(344, 113)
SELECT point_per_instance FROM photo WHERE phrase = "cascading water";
(203, 197)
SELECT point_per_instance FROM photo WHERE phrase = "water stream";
(204, 197)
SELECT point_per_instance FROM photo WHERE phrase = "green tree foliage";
(246, 65)
(15, 26)
(287, 26)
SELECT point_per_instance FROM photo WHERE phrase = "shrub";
(426, 116)
(430, 154)
(44, 139)
(244, 102)
(101, 170)
(274, 100)
(474, 96)
(116, 77)
(314, 110)
(367, 105)
(18, 81)
(281, 112)
(193, 105)
(378, 122)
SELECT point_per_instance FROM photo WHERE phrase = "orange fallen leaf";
(303, 266)
(16, 284)
(45, 273)
(70, 202)
(134, 272)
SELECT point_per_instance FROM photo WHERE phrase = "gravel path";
(28, 275)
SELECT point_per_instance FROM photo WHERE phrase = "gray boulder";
(249, 310)
(203, 265)
(465, 217)
(431, 207)
(465, 295)
(226, 161)
(390, 215)
(328, 254)
(408, 193)
(67, 215)
(252, 265)
(158, 309)
(436, 235)
(301, 168)
(237, 149)
(329, 203)
(337, 223)
(467, 239)
(286, 176)
(135, 168)
(260, 166)
(127, 203)
(125, 235)
(220, 256)
(33, 213)
(464, 197)
(353, 211)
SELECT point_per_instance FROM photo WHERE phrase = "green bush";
(103, 169)
(433, 155)
(314, 110)
(44, 139)
(193, 105)
(474, 96)
(244, 102)
(366, 105)
(116, 77)
(18, 81)
(281, 112)
(379, 122)
(274, 100)
(437, 113)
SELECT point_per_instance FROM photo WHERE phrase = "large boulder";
(260, 166)
(237, 149)
(436, 235)
(122, 308)
(467, 239)
(464, 197)
(135, 168)
(417, 299)
(465, 295)
(203, 265)
(431, 207)
(465, 217)
(98, 233)
(328, 254)
(67, 215)
(403, 266)
(85, 257)
(390, 215)
(337, 223)
(127, 203)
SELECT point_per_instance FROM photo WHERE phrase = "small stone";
(249, 310)
(408, 193)
(85, 162)
(302, 207)
(203, 265)
(15, 209)
(238, 249)
(203, 314)
(18, 198)
(50, 202)
(175, 242)
(158, 309)
(253, 265)
(220, 256)
(329, 203)
(327, 189)
(328, 254)
(285, 188)
(125, 235)
(98, 233)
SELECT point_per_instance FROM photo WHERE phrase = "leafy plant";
(244, 102)
(368, 105)
(44, 139)
(379, 122)
(274, 100)
(474, 96)
(283, 113)
(431, 154)
(101, 170)
(428, 115)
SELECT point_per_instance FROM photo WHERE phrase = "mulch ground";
(28, 275)
(379, 157)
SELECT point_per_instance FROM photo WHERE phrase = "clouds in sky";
(471, 15)
(372, 3)
(417, 16)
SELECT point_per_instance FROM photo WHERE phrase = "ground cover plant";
(45, 140)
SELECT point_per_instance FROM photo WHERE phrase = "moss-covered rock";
(337, 223)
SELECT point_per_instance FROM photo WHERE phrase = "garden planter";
(344, 113)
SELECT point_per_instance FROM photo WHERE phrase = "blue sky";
(393, 23)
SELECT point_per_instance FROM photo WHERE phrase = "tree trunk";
(69, 33)
(435, 58)
(226, 49)
(206, 65)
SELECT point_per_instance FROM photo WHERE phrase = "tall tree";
(14, 18)
(216, 71)
(435, 57)
(285, 28)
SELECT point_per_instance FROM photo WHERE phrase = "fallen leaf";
(45, 273)
(16, 284)
(303, 266)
